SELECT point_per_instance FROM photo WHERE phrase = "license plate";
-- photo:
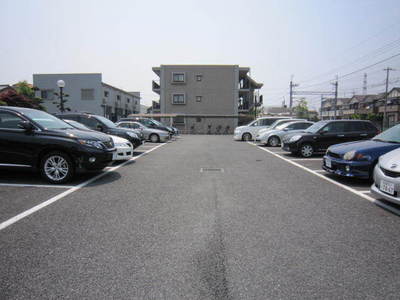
(328, 163)
(387, 187)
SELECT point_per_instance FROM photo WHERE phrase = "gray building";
(87, 93)
(204, 98)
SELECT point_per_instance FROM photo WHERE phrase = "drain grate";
(220, 170)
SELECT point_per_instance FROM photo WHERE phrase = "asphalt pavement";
(203, 217)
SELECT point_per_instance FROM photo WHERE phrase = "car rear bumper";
(237, 136)
(340, 167)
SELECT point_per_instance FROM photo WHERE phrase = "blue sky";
(312, 40)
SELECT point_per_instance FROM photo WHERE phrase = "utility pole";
(320, 110)
(365, 84)
(385, 120)
(336, 94)
(292, 85)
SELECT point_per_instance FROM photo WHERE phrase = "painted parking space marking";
(37, 185)
(362, 194)
(38, 207)
(304, 159)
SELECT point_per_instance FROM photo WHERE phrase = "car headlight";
(131, 134)
(352, 155)
(349, 155)
(295, 138)
(92, 144)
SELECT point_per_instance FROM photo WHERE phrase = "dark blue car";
(358, 159)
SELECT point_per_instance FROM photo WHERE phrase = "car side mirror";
(26, 125)
(100, 127)
(322, 132)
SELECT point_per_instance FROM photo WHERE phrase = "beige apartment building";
(204, 98)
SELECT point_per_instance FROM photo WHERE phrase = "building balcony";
(156, 87)
(348, 112)
(389, 108)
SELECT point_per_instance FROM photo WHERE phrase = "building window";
(118, 97)
(178, 99)
(199, 77)
(128, 100)
(198, 119)
(178, 77)
(179, 120)
(105, 93)
(199, 98)
(47, 94)
(87, 94)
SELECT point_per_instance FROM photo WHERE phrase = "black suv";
(150, 124)
(321, 135)
(103, 124)
(33, 139)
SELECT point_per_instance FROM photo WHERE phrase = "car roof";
(17, 109)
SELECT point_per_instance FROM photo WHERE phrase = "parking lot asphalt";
(203, 217)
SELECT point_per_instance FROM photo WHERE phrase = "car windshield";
(282, 126)
(279, 123)
(315, 127)
(46, 120)
(391, 135)
(106, 122)
(157, 123)
(77, 124)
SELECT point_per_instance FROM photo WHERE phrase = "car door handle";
(340, 135)
(363, 134)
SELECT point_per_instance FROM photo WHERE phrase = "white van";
(249, 132)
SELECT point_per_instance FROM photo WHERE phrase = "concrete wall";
(217, 90)
(73, 85)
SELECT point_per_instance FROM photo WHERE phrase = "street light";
(61, 85)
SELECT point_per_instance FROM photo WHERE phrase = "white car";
(249, 131)
(276, 125)
(124, 148)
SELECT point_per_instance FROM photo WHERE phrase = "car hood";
(370, 147)
(391, 160)
(79, 134)
(118, 139)
(241, 127)
(265, 132)
(159, 131)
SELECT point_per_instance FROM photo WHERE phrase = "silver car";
(150, 134)
(273, 137)
(387, 177)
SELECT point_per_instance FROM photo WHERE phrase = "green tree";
(301, 108)
(28, 90)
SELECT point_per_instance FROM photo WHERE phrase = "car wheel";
(246, 137)
(306, 150)
(154, 138)
(56, 167)
(273, 141)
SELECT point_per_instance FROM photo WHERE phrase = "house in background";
(204, 98)
(87, 93)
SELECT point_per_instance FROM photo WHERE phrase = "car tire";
(306, 150)
(273, 141)
(56, 167)
(246, 137)
(154, 138)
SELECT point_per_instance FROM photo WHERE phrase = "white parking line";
(34, 209)
(37, 185)
(307, 159)
(362, 194)
(319, 171)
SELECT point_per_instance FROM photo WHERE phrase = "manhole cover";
(220, 170)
